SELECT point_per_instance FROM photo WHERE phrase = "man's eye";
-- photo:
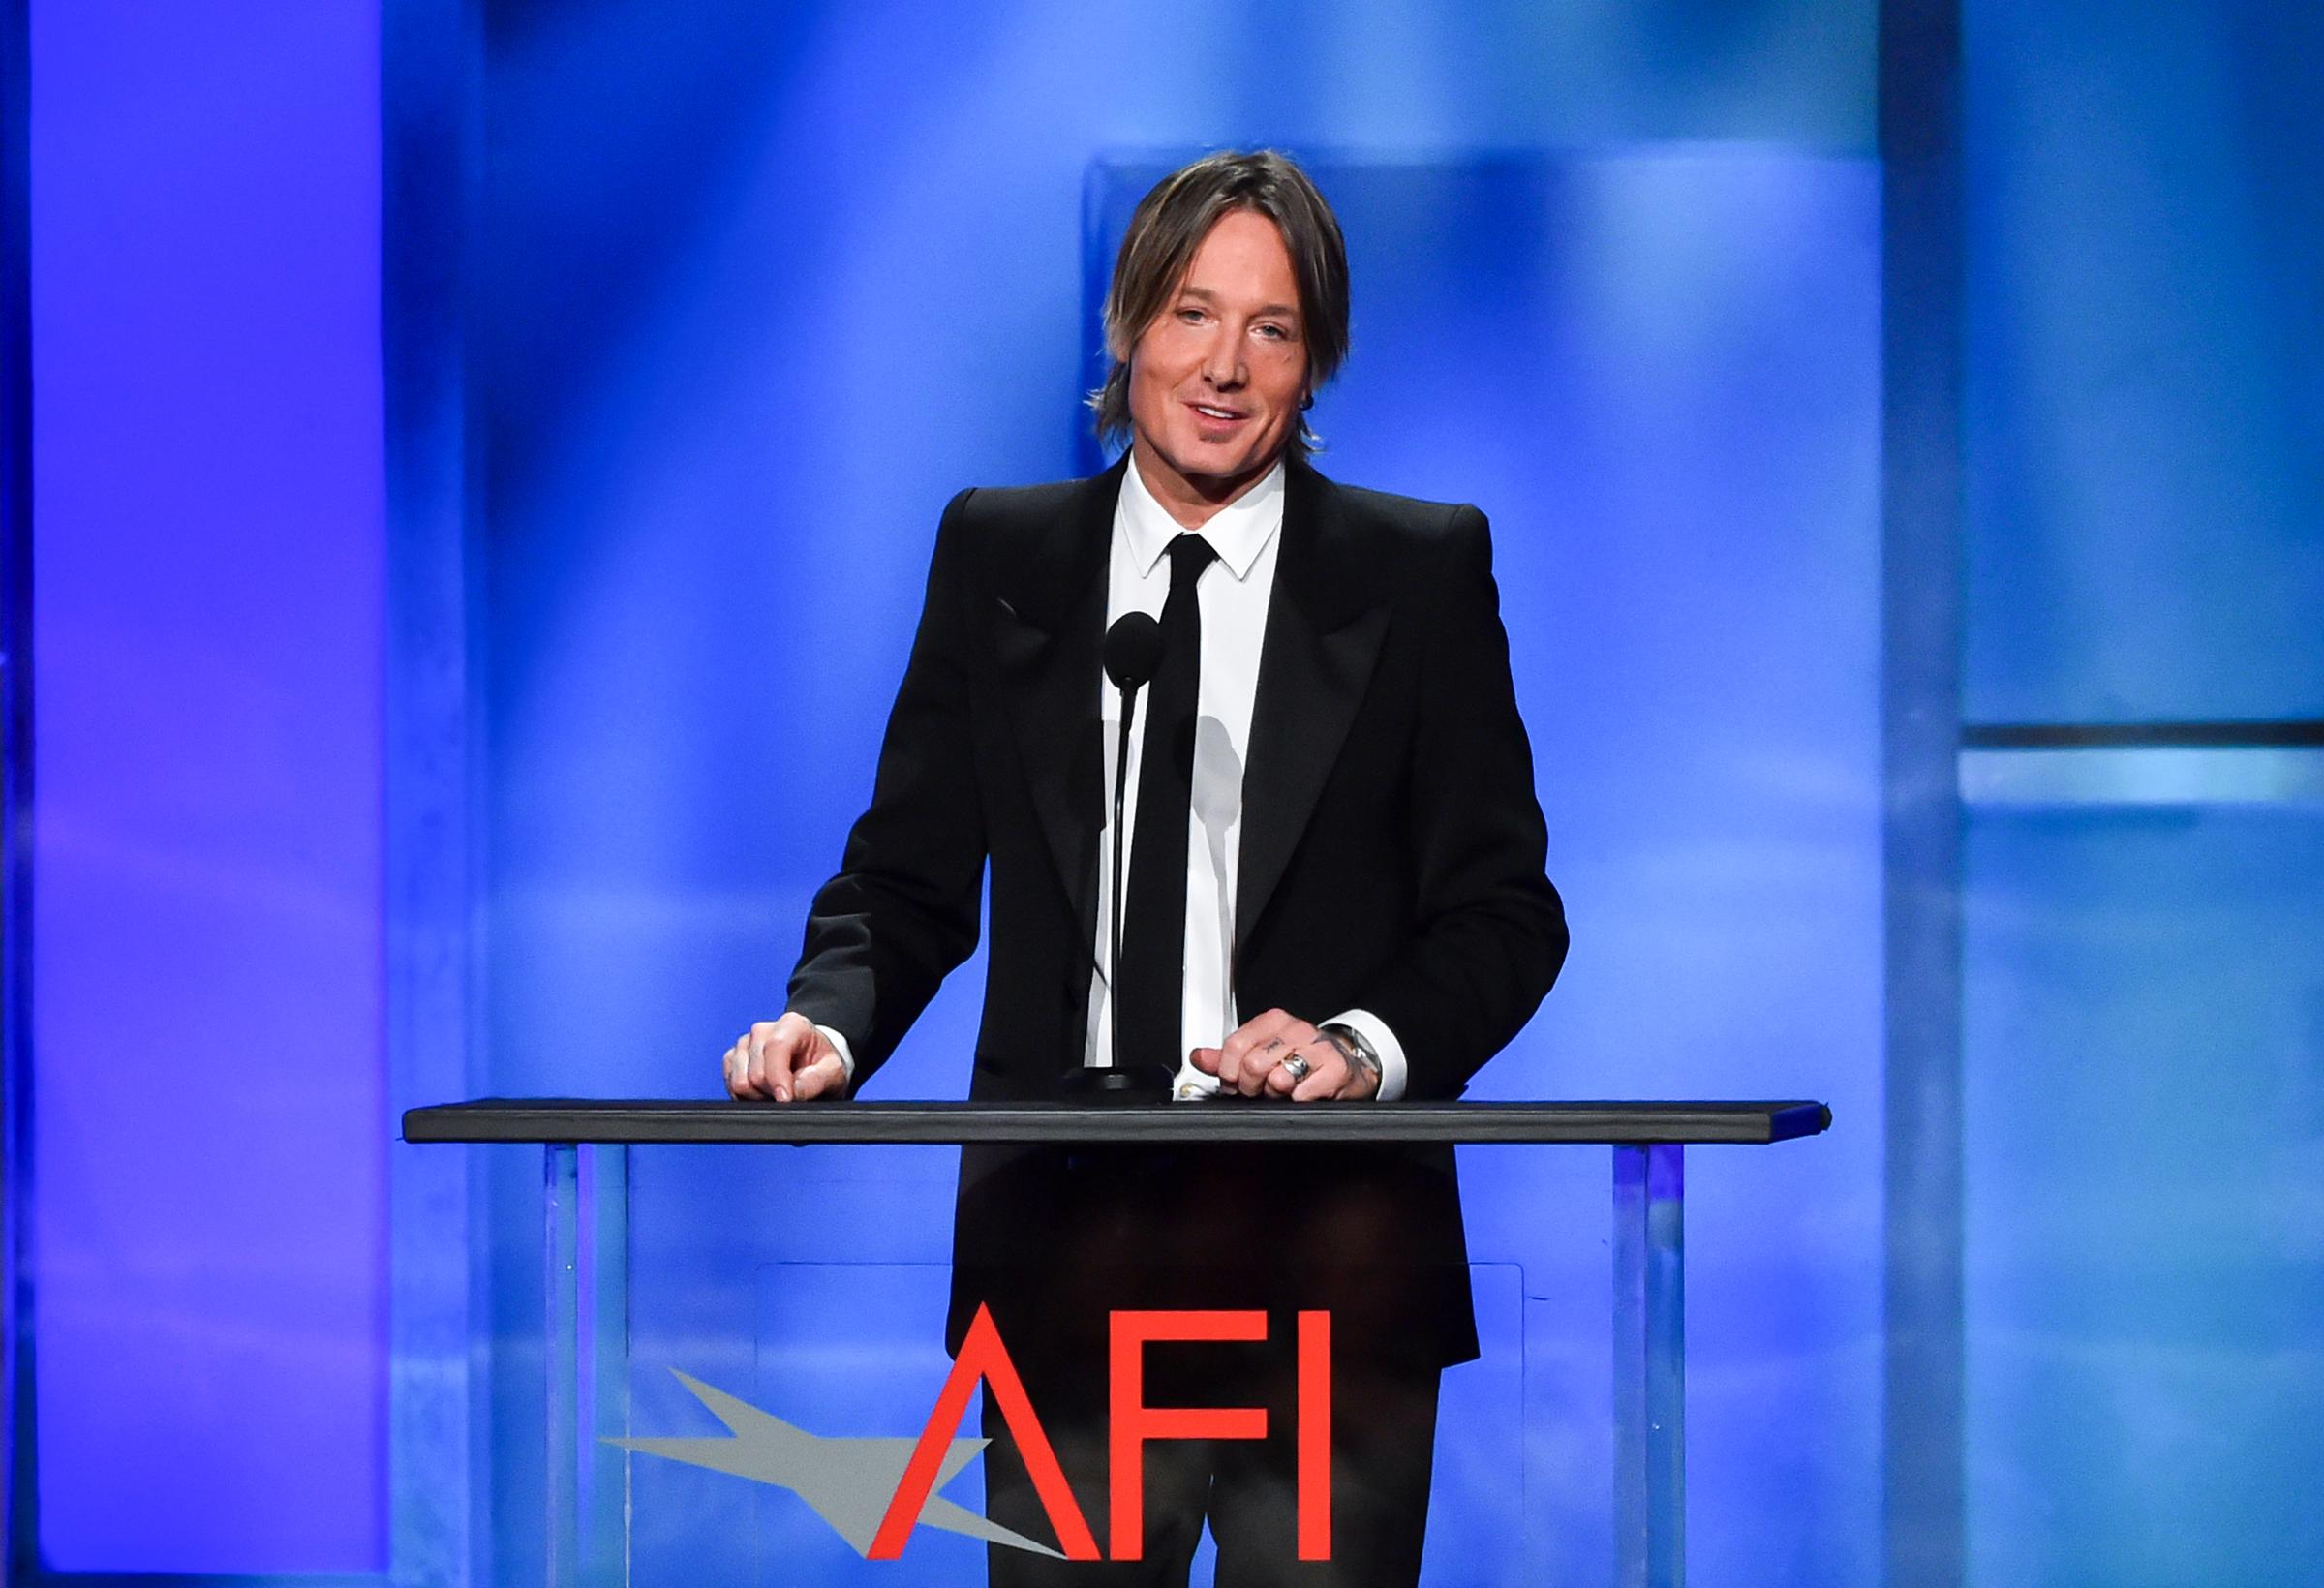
(1190, 316)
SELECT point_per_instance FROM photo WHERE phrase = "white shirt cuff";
(1384, 1042)
(846, 1053)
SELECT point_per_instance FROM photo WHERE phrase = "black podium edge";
(613, 1121)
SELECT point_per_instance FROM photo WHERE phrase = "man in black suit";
(1334, 832)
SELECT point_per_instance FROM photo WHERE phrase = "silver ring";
(1297, 1067)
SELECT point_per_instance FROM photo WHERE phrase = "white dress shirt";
(1233, 593)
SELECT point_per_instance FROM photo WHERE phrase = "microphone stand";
(1133, 646)
(1121, 783)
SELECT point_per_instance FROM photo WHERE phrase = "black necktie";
(1149, 981)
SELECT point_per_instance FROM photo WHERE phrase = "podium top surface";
(546, 1119)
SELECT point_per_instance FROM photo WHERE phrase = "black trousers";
(1223, 1231)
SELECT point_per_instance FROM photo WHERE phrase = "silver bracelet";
(1354, 1048)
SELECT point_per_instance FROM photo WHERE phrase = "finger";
(1317, 1051)
(781, 1054)
(1263, 1073)
(772, 1052)
(734, 1071)
(1205, 1059)
(1238, 1058)
(823, 1077)
(743, 1084)
(1280, 1081)
(1259, 1064)
(1254, 1033)
(1334, 1073)
(1329, 1076)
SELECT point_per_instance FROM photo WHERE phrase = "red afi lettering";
(983, 1357)
(1134, 1424)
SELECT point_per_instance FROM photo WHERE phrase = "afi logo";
(843, 1479)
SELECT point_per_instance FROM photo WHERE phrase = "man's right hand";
(783, 1059)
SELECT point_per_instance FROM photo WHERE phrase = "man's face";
(1217, 379)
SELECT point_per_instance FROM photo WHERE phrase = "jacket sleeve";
(1491, 929)
(903, 911)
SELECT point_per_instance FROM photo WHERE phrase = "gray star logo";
(848, 1483)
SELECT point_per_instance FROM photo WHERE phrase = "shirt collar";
(1239, 532)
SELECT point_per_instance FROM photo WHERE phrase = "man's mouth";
(1222, 415)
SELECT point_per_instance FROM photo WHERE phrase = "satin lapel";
(1324, 629)
(1048, 624)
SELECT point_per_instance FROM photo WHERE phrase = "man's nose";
(1222, 361)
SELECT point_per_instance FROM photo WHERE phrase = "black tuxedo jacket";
(1393, 849)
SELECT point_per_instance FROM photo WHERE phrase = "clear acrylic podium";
(587, 1245)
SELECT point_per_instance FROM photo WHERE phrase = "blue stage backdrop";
(740, 340)
(698, 315)
(2143, 1067)
(206, 1221)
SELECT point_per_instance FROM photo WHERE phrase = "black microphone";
(1133, 650)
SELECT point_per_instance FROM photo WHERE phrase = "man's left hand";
(1251, 1063)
